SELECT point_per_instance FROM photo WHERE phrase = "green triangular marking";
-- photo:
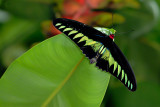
(61, 27)
(67, 29)
(84, 38)
(115, 66)
(122, 75)
(90, 42)
(128, 83)
(125, 78)
(72, 32)
(78, 35)
(111, 60)
(131, 86)
(58, 24)
(119, 70)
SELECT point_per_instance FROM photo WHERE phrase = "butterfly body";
(98, 45)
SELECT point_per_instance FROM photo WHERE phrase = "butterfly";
(99, 47)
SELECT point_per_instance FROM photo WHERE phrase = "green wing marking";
(67, 29)
(114, 68)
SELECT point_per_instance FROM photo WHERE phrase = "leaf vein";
(52, 95)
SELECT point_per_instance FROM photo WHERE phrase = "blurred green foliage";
(24, 23)
(30, 9)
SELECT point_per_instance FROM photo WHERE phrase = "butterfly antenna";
(112, 19)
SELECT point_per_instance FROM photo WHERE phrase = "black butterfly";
(100, 48)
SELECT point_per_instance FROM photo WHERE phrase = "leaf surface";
(54, 73)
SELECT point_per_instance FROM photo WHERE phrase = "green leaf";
(53, 73)
(37, 10)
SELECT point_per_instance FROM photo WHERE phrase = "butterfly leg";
(94, 59)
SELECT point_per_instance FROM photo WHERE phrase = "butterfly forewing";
(76, 32)
(98, 46)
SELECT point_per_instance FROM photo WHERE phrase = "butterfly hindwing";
(108, 63)
(99, 48)
(126, 72)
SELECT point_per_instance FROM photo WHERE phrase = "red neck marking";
(111, 36)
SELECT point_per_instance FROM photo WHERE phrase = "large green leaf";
(53, 73)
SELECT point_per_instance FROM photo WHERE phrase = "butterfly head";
(109, 32)
(112, 33)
